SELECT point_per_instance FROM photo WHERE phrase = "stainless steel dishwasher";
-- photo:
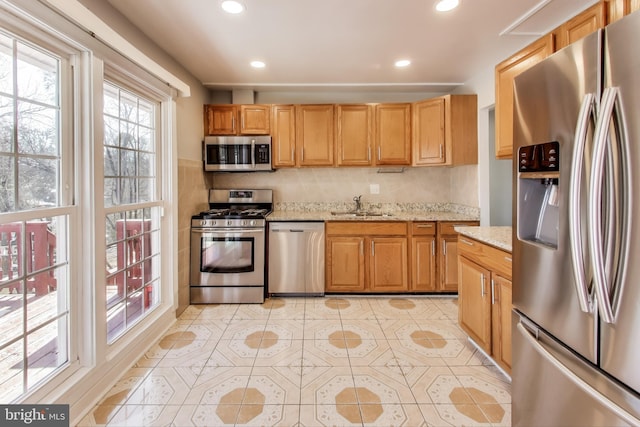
(296, 258)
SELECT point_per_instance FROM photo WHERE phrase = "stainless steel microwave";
(237, 153)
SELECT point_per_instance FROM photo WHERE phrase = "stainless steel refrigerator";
(576, 243)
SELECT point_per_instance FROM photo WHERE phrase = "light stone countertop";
(288, 215)
(500, 237)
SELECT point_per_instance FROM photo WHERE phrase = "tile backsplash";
(328, 185)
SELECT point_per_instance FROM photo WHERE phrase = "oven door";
(227, 257)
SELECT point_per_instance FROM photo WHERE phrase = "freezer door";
(556, 388)
(619, 340)
(549, 99)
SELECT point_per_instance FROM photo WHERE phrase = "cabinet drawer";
(448, 227)
(492, 258)
(423, 228)
(359, 228)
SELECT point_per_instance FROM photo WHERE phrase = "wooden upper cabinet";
(506, 71)
(237, 119)
(354, 134)
(220, 119)
(581, 25)
(255, 119)
(315, 134)
(445, 131)
(283, 136)
(393, 134)
(428, 132)
(634, 5)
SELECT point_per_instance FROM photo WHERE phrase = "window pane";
(115, 321)
(111, 104)
(11, 371)
(128, 165)
(111, 131)
(46, 350)
(6, 124)
(37, 75)
(6, 64)
(111, 192)
(37, 129)
(129, 135)
(146, 139)
(128, 107)
(111, 161)
(7, 184)
(37, 182)
(11, 311)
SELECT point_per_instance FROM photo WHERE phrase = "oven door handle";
(228, 230)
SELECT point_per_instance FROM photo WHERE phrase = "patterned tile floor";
(352, 361)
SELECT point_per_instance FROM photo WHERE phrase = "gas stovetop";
(235, 208)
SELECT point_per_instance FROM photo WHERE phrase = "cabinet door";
(506, 71)
(354, 127)
(388, 270)
(393, 134)
(449, 263)
(345, 264)
(283, 137)
(423, 264)
(581, 25)
(474, 302)
(220, 119)
(255, 119)
(314, 135)
(428, 132)
(501, 320)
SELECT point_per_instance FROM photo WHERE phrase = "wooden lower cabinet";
(447, 245)
(367, 257)
(423, 257)
(484, 298)
(345, 264)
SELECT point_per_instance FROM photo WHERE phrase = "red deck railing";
(40, 251)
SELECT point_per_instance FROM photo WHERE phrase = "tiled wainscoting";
(312, 362)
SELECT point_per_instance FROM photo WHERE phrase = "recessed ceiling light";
(447, 5)
(231, 6)
(402, 63)
(258, 64)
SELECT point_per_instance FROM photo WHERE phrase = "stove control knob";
(212, 223)
(229, 222)
(244, 223)
(253, 222)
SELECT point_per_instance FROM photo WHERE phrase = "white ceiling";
(343, 43)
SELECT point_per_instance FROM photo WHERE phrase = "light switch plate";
(374, 188)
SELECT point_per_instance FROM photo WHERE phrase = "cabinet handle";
(302, 152)
(379, 153)
(293, 155)
(466, 242)
(493, 292)
(368, 154)
(425, 225)
(373, 248)
(444, 248)
(433, 248)
(508, 259)
(482, 288)
(242, 122)
(441, 151)
(361, 248)
(233, 123)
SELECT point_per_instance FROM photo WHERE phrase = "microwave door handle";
(575, 218)
(253, 153)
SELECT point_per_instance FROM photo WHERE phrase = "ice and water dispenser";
(538, 167)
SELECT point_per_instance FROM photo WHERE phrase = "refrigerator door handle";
(586, 116)
(616, 249)
(540, 348)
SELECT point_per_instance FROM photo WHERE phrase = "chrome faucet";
(358, 203)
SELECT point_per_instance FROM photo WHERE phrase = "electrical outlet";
(374, 188)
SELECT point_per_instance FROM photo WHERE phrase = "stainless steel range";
(228, 247)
